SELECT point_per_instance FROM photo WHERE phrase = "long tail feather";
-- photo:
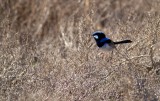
(121, 42)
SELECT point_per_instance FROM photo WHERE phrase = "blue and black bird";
(105, 43)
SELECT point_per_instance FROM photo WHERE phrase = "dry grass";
(48, 54)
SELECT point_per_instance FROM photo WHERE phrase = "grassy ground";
(47, 52)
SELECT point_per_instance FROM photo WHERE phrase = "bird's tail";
(121, 42)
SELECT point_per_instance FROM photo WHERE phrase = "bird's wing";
(105, 40)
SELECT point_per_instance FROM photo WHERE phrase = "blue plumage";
(105, 43)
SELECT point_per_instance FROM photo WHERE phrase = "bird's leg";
(111, 55)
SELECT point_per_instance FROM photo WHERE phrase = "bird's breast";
(107, 47)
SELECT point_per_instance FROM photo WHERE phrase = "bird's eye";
(95, 36)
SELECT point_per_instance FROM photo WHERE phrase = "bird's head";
(98, 35)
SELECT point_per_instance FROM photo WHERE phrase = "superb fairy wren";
(105, 43)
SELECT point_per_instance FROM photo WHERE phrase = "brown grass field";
(47, 52)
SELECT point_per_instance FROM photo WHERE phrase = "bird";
(106, 43)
